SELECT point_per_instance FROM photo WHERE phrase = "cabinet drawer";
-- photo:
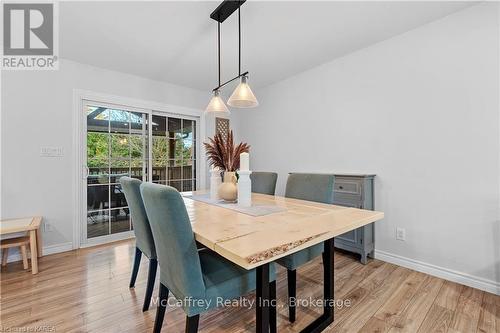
(347, 199)
(347, 186)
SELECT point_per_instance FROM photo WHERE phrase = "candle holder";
(244, 188)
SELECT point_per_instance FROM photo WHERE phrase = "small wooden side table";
(31, 225)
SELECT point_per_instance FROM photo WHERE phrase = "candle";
(244, 162)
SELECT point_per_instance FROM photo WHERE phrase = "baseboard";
(14, 255)
(444, 273)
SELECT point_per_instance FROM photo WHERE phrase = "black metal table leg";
(326, 318)
(262, 299)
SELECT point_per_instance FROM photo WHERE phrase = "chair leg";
(5, 255)
(162, 306)
(192, 324)
(273, 320)
(153, 264)
(135, 269)
(25, 256)
(292, 293)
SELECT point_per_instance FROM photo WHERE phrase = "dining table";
(271, 228)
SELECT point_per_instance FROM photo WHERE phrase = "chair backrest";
(143, 235)
(310, 186)
(180, 269)
(264, 182)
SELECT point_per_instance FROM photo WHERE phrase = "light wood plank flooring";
(87, 291)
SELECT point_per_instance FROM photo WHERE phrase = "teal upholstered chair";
(189, 274)
(311, 187)
(144, 243)
(264, 182)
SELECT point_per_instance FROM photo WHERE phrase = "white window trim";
(79, 99)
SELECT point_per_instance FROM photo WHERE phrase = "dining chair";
(264, 182)
(202, 277)
(144, 242)
(310, 187)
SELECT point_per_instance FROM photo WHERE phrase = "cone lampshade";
(216, 104)
(242, 96)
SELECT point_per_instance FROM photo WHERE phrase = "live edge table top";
(251, 241)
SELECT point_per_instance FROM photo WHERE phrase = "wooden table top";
(251, 241)
(18, 225)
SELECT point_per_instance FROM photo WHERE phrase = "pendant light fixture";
(216, 104)
(242, 96)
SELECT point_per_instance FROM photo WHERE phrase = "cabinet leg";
(5, 256)
(364, 258)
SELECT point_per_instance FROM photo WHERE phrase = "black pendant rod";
(239, 42)
(220, 14)
(218, 47)
(234, 78)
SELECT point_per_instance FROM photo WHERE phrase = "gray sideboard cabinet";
(356, 190)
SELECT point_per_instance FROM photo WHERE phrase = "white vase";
(228, 190)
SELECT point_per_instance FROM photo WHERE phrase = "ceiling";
(176, 41)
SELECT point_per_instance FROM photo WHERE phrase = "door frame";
(80, 98)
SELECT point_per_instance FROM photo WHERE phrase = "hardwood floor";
(87, 291)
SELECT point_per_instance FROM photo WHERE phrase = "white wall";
(420, 110)
(37, 110)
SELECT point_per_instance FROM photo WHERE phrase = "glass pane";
(138, 123)
(161, 182)
(138, 146)
(176, 184)
(159, 170)
(174, 128)
(119, 168)
(119, 121)
(98, 171)
(171, 148)
(117, 196)
(120, 220)
(187, 129)
(97, 119)
(187, 185)
(179, 151)
(160, 148)
(97, 224)
(175, 172)
(187, 170)
(138, 169)
(120, 146)
(97, 145)
(173, 163)
(97, 197)
(159, 126)
(187, 149)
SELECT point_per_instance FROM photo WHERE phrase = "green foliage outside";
(134, 147)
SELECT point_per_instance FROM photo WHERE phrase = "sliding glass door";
(122, 141)
(174, 152)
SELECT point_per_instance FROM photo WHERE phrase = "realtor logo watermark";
(30, 36)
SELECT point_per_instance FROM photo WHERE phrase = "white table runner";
(254, 210)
